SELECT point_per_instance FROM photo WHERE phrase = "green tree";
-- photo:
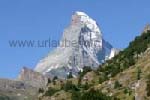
(82, 73)
(85, 70)
(41, 90)
(49, 81)
(50, 91)
(126, 58)
(70, 86)
(76, 95)
(117, 85)
(103, 77)
(86, 86)
(95, 95)
(4, 98)
(139, 73)
(70, 75)
(148, 85)
(55, 78)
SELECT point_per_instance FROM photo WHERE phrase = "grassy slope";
(122, 68)
(128, 79)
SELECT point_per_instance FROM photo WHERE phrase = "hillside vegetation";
(125, 77)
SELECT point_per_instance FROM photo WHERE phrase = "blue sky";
(119, 20)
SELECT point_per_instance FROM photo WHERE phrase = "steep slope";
(82, 45)
(133, 84)
(125, 77)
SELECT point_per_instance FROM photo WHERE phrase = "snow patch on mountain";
(85, 47)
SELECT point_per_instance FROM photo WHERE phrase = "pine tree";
(148, 85)
(70, 75)
(138, 73)
(117, 85)
(41, 90)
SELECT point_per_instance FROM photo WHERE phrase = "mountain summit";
(81, 45)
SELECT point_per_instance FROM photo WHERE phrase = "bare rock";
(33, 78)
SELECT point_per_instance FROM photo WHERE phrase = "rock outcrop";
(33, 78)
(147, 28)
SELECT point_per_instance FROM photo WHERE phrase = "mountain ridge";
(124, 77)
(88, 49)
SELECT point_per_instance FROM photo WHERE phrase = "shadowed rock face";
(81, 45)
(33, 78)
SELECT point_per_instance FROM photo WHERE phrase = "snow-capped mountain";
(82, 45)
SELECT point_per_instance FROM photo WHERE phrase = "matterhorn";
(82, 45)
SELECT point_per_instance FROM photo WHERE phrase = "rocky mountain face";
(81, 45)
(124, 77)
(33, 78)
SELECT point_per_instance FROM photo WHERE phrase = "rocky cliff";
(33, 78)
(82, 45)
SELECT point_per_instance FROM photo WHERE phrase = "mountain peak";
(86, 48)
(79, 17)
(82, 19)
(79, 13)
